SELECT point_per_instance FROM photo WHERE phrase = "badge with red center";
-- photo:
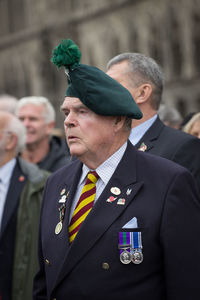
(111, 199)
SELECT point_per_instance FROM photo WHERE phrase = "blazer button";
(105, 266)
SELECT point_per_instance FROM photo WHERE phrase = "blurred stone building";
(169, 31)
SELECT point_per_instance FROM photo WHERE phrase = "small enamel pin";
(62, 192)
(64, 197)
(121, 201)
(21, 178)
(111, 199)
(143, 147)
(128, 192)
(115, 191)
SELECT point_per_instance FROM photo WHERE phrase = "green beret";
(95, 89)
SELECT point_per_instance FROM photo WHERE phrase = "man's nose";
(26, 122)
(70, 120)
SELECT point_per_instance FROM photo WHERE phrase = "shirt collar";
(6, 171)
(137, 132)
(107, 168)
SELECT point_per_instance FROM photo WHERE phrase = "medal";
(124, 246)
(58, 228)
(136, 247)
(130, 245)
(137, 256)
(125, 257)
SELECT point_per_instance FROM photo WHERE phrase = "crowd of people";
(112, 210)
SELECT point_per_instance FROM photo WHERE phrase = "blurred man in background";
(21, 187)
(47, 151)
(170, 116)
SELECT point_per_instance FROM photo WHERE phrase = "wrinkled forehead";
(71, 102)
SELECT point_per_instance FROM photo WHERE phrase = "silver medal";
(137, 257)
(125, 257)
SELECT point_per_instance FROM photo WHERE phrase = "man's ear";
(11, 141)
(143, 93)
(119, 122)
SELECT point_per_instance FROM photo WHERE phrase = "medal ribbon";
(129, 240)
(136, 240)
(124, 241)
(61, 212)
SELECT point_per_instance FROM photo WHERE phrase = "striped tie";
(84, 205)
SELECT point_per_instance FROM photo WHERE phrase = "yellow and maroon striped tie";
(84, 205)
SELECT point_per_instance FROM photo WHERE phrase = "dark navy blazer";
(163, 198)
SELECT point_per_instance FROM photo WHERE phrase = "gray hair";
(143, 69)
(49, 111)
(8, 103)
(17, 127)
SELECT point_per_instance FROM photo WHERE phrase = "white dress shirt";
(105, 171)
(5, 176)
(138, 131)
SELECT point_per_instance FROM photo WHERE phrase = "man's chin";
(76, 151)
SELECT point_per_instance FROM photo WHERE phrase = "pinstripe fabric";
(84, 204)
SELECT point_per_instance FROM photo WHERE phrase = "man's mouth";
(72, 138)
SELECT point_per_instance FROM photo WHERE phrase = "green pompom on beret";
(66, 54)
(95, 89)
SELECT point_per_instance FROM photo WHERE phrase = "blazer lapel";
(146, 143)
(17, 182)
(125, 179)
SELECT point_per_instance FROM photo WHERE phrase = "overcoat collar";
(125, 179)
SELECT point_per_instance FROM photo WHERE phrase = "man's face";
(33, 118)
(87, 134)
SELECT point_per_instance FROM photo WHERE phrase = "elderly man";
(143, 77)
(21, 187)
(49, 152)
(116, 223)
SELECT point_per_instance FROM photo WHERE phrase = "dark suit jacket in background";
(174, 145)
(8, 229)
(163, 198)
